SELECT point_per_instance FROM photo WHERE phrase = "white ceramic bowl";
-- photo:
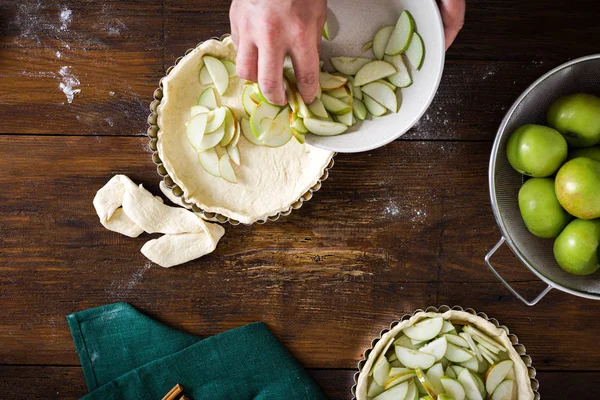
(352, 23)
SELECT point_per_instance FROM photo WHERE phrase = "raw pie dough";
(270, 179)
(524, 391)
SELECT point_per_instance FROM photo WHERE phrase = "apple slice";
(298, 124)
(329, 81)
(429, 387)
(448, 327)
(318, 109)
(209, 160)
(230, 126)
(339, 93)
(359, 109)
(414, 358)
(417, 343)
(218, 73)
(453, 387)
(399, 378)
(434, 374)
(236, 136)
(345, 119)
(488, 355)
(247, 102)
(356, 91)
(324, 128)
(262, 117)
(373, 71)
(210, 140)
(413, 392)
(195, 130)
(234, 154)
(436, 348)
(279, 132)
(401, 35)
(303, 111)
(373, 107)
(395, 393)
(415, 51)
(476, 332)
(216, 118)
(468, 383)
(325, 31)
(230, 67)
(456, 340)
(425, 329)
(381, 370)
(504, 391)
(480, 384)
(471, 364)
(472, 345)
(404, 341)
(496, 374)
(384, 96)
(445, 396)
(226, 169)
(248, 134)
(208, 99)
(195, 110)
(398, 370)
(299, 136)
(486, 345)
(348, 65)
(401, 78)
(204, 76)
(387, 83)
(373, 389)
(334, 106)
(457, 354)
(380, 41)
(450, 372)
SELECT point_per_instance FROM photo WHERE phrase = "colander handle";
(512, 290)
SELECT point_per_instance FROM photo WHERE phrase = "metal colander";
(580, 75)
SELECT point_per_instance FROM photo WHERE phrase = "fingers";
(270, 74)
(247, 62)
(306, 68)
(453, 15)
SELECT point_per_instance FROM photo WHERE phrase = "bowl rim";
(492, 181)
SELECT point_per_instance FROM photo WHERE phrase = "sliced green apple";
(208, 99)
(373, 107)
(387, 83)
(359, 109)
(476, 332)
(299, 136)
(298, 124)
(248, 134)
(226, 169)
(262, 117)
(401, 35)
(381, 371)
(399, 378)
(380, 41)
(445, 396)
(415, 51)
(429, 387)
(394, 393)
(418, 343)
(413, 392)
(480, 384)
(195, 130)
(195, 110)
(230, 126)
(338, 93)
(373, 389)
(324, 128)
(209, 160)
(472, 345)
(456, 340)
(383, 95)
(345, 119)
(325, 31)
(236, 136)
(279, 132)
(402, 77)
(318, 109)
(398, 370)
(470, 385)
(230, 67)
(210, 140)
(348, 65)
(404, 341)
(436, 348)
(434, 374)
(218, 73)
(303, 110)
(471, 364)
(453, 387)
(448, 327)
(373, 71)
(496, 374)
(216, 118)
(486, 345)
(425, 329)
(450, 372)
(204, 76)
(488, 355)
(247, 102)
(504, 391)
(414, 358)
(457, 354)
(329, 81)
(234, 154)
(333, 105)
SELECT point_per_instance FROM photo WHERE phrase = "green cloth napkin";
(127, 355)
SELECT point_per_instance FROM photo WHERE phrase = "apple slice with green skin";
(303, 111)
(436, 348)
(234, 154)
(226, 169)
(325, 31)
(476, 332)
(195, 110)
(195, 129)
(418, 343)
(488, 355)
(329, 81)
(298, 124)
(218, 73)
(413, 393)
(445, 396)
(457, 369)
(456, 340)
(333, 105)
(348, 65)
(247, 102)
(415, 51)
(345, 119)
(457, 354)
(450, 372)
(396, 363)
(230, 125)
(290, 94)
(279, 132)
(208, 99)
(236, 136)
(429, 387)
(414, 358)
(373, 71)
(485, 344)
(404, 341)
(216, 118)
(387, 83)
(373, 389)
(470, 385)
(381, 371)
(204, 76)
(262, 117)
(471, 364)
(383, 95)
(472, 345)
(399, 378)
(401, 35)
(373, 107)
(210, 140)
(453, 387)
(318, 109)
(359, 109)
(402, 77)
(395, 393)
(230, 67)
(398, 370)
(299, 136)
(356, 91)
(434, 374)
(324, 128)
(380, 41)
(496, 374)
(248, 134)
(480, 384)
(425, 329)
(209, 160)
(339, 92)
(448, 328)
(504, 391)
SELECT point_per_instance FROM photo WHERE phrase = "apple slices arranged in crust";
(453, 356)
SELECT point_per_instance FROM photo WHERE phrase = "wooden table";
(392, 230)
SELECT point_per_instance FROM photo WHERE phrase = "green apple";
(577, 248)
(577, 186)
(577, 117)
(226, 169)
(542, 213)
(589, 152)
(536, 150)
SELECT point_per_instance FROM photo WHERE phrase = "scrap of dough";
(169, 195)
(108, 202)
(171, 250)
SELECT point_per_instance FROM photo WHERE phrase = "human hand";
(265, 31)
(453, 15)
